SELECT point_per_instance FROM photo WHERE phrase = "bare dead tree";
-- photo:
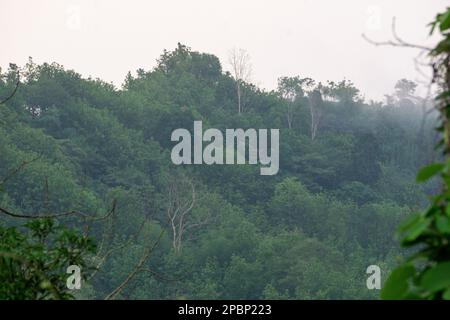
(181, 201)
(241, 68)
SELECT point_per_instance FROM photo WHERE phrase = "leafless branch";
(397, 42)
(180, 205)
(108, 253)
(239, 61)
(59, 215)
(22, 165)
(86, 216)
(160, 276)
(139, 267)
(9, 97)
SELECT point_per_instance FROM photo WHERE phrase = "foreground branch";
(398, 42)
(59, 215)
(139, 267)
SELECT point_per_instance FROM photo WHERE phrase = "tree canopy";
(347, 177)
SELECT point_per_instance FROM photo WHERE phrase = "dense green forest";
(346, 179)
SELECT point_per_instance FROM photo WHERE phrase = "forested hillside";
(346, 178)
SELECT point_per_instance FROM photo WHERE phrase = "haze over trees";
(346, 179)
(425, 274)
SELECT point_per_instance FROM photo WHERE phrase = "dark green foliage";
(308, 232)
(33, 262)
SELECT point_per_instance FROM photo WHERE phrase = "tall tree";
(291, 89)
(316, 110)
(241, 68)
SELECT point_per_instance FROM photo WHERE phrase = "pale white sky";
(315, 38)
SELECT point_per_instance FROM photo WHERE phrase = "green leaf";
(429, 171)
(447, 210)
(443, 224)
(446, 179)
(417, 229)
(444, 20)
(442, 47)
(45, 284)
(396, 285)
(433, 26)
(404, 225)
(414, 227)
(436, 278)
(443, 95)
(446, 295)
